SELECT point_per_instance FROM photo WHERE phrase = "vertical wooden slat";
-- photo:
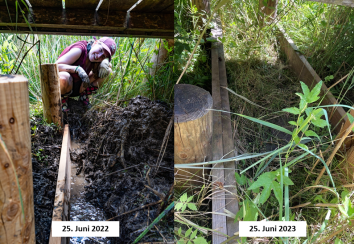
(231, 200)
(62, 193)
(218, 204)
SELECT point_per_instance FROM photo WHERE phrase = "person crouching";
(83, 66)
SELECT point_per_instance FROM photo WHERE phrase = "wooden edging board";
(305, 72)
(62, 192)
(218, 201)
(231, 201)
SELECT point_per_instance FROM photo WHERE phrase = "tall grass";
(130, 63)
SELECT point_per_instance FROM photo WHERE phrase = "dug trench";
(124, 159)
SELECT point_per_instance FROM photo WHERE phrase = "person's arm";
(65, 62)
(105, 68)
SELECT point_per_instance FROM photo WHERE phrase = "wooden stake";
(15, 134)
(192, 131)
(51, 97)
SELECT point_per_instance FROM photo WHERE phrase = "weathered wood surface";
(192, 132)
(51, 98)
(150, 22)
(159, 56)
(268, 12)
(218, 203)
(15, 133)
(34, 3)
(348, 167)
(148, 6)
(88, 22)
(154, 6)
(307, 74)
(348, 3)
(202, 5)
(62, 192)
(231, 200)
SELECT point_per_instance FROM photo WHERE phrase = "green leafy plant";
(190, 236)
(184, 201)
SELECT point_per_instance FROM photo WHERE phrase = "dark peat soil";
(46, 145)
(127, 158)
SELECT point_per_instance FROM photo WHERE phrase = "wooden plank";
(15, 134)
(153, 6)
(122, 5)
(307, 74)
(81, 22)
(231, 200)
(62, 192)
(83, 4)
(218, 203)
(150, 21)
(45, 3)
(348, 3)
(34, 3)
(59, 18)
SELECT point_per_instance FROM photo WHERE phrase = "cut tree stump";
(15, 136)
(51, 97)
(192, 132)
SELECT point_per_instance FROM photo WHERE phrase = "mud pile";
(127, 158)
(46, 145)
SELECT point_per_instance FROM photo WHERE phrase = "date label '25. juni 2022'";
(85, 228)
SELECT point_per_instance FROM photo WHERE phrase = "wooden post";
(267, 11)
(159, 57)
(15, 159)
(51, 97)
(203, 7)
(192, 131)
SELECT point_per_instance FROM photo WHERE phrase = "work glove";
(83, 76)
(104, 68)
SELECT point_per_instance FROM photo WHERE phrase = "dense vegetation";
(287, 168)
(22, 54)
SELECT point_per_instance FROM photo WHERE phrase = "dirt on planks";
(127, 159)
(46, 146)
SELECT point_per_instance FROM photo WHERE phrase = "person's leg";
(93, 82)
(66, 82)
(66, 86)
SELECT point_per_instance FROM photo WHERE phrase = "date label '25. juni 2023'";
(272, 229)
